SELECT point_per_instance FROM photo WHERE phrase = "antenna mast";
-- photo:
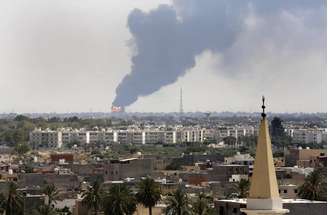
(181, 102)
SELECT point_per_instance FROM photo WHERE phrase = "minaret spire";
(263, 194)
(263, 108)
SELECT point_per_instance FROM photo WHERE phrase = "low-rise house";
(128, 168)
(61, 158)
(303, 157)
(63, 182)
(226, 173)
(288, 191)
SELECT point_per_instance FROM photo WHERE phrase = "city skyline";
(67, 56)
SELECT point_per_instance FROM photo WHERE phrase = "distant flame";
(117, 109)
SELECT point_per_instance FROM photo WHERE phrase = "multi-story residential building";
(65, 136)
(237, 132)
(45, 138)
(154, 137)
(101, 136)
(122, 137)
(138, 137)
(135, 135)
(304, 135)
(192, 135)
(74, 136)
(170, 137)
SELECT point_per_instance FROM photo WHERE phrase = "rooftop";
(243, 201)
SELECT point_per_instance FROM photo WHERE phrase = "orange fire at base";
(117, 109)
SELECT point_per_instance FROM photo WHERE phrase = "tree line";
(119, 199)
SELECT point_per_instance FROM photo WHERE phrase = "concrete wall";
(308, 208)
(135, 168)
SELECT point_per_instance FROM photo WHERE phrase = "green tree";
(21, 118)
(92, 197)
(315, 185)
(202, 205)
(278, 136)
(277, 129)
(148, 193)
(21, 149)
(177, 203)
(248, 141)
(51, 192)
(14, 204)
(230, 141)
(119, 201)
(174, 166)
(72, 143)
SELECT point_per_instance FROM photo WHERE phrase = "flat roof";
(128, 159)
(243, 201)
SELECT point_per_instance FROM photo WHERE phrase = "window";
(295, 190)
(285, 191)
(221, 210)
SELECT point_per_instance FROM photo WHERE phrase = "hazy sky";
(70, 55)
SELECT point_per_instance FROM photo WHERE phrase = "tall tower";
(263, 195)
(181, 102)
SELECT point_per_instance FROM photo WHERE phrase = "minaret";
(263, 195)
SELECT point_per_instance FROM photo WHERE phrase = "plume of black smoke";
(168, 38)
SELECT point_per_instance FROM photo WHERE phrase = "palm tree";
(2, 203)
(315, 185)
(177, 203)
(119, 201)
(148, 193)
(92, 197)
(64, 211)
(14, 205)
(51, 192)
(243, 188)
(45, 210)
(202, 205)
(239, 190)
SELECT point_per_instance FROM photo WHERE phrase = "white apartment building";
(193, 135)
(237, 131)
(65, 136)
(74, 136)
(101, 136)
(45, 138)
(304, 135)
(149, 135)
